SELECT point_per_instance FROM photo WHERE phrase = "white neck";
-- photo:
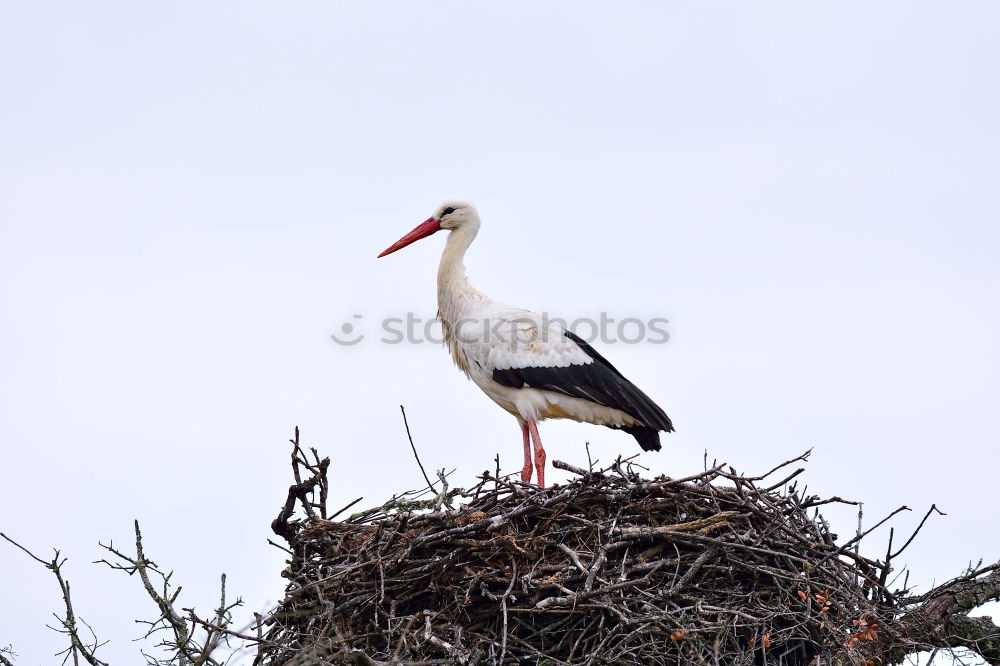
(452, 282)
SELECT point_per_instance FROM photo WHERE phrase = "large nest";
(716, 568)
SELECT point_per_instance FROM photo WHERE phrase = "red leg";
(526, 470)
(539, 452)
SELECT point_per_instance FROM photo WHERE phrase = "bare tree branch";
(77, 648)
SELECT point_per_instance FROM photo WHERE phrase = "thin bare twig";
(414, 449)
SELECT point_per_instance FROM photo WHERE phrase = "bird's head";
(450, 215)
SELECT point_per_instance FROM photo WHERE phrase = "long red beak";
(422, 230)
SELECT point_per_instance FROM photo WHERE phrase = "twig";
(414, 448)
(861, 535)
(916, 531)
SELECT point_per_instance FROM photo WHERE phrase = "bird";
(527, 363)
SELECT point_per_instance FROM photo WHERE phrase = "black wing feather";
(598, 382)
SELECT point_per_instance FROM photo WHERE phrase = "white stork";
(531, 367)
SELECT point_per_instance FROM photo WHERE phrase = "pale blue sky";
(193, 196)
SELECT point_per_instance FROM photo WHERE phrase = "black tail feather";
(648, 438)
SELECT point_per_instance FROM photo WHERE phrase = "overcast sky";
(192, 196)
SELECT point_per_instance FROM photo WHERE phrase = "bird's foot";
(526, 472)
(540, 466)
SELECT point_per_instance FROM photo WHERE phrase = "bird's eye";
(447, 211)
